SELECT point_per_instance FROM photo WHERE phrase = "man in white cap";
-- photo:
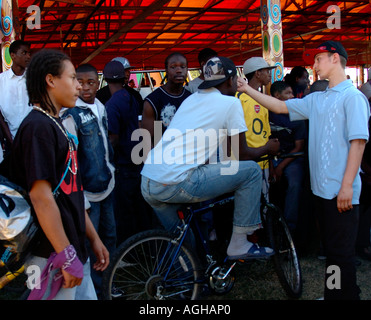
(258, 73)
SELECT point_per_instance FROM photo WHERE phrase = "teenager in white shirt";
(181, 167)
(14, 97)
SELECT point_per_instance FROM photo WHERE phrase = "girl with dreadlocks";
(44, 163)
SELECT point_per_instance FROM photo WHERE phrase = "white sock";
(238, 244)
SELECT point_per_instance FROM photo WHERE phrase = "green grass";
(258, 281)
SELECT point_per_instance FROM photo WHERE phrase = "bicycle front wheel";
(151, 265)
(285, 258)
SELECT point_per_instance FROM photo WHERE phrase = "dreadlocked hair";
(44, 62)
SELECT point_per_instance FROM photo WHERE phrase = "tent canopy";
(147, 31)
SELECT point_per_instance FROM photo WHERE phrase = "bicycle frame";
(188, 211)
(9, 276)
(158, 264)
(186, 219)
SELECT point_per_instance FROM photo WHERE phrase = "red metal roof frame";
(145, 32)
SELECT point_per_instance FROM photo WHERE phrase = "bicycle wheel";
(149, 266)
(285, 258)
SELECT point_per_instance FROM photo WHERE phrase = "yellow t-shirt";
(257, 122)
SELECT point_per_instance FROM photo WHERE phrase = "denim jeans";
(103, 219)
(294, 175)
(85, 291)
(204, 183)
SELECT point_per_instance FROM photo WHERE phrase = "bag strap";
(64, 175)
(76, 141)
(70, 137)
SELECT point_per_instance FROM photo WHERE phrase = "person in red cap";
(338, 131)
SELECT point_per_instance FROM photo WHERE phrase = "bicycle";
(13, 275)
(19, 289)
(160, 265)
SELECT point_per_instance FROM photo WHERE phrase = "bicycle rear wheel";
(149, 266)
(285, 258)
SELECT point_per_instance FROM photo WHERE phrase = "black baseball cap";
(328, 46)
(216, 71)
(114, 70)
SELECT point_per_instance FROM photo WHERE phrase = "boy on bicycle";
(184, 168)
(338, 131)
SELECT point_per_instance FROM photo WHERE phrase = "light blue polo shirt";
(336, 116)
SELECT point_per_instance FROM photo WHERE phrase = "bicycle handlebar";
(281, 156)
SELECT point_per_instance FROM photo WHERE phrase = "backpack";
(18, 226)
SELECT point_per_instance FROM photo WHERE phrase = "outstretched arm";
(269, 102)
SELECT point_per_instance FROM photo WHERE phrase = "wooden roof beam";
(176, 24)
(223, 23)
(85, 24)
(145, 13)
(77, 2)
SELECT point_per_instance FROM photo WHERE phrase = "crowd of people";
(56, 122)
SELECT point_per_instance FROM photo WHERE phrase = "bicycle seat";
(203, 207)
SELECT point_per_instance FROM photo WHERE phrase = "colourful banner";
(7, 33)
(270, 11)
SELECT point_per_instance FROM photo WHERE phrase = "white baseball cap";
(255, 63)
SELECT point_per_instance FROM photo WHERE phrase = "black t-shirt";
(40, 152)
(122, 115)
(165, 104)
(104, 94)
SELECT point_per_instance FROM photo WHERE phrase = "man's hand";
(242, 85)
(267, 101)
(344, 199)
(273, 146)
(101, 253)
(70, 281)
